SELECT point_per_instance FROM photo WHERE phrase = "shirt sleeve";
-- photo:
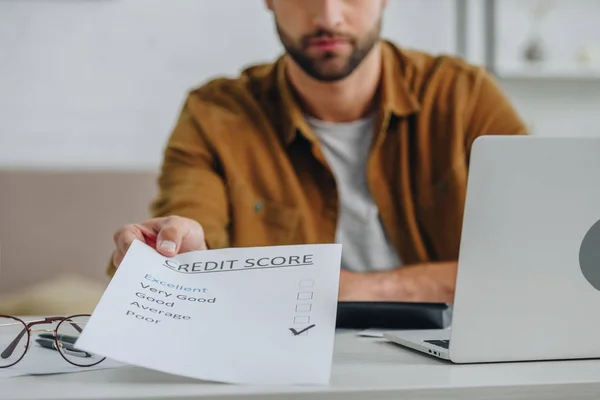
(191, 183)
(490, 112)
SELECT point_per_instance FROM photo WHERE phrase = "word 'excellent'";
(240, 265)
(174, 286)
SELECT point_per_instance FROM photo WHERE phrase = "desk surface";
(364, 368)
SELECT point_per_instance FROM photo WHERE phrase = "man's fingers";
(117, 258)
(168, 235)
(169, 238)
(125, 236)
(148, 230)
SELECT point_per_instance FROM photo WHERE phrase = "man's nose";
(328, 14)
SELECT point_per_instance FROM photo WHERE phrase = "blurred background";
(90, 90)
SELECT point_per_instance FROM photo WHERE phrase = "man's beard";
(312, 66)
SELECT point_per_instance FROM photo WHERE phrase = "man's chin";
(326, 68)
(330, 78)
(331, 75)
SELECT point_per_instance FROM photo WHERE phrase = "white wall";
(561, 94)
(557, 107)
(99, 83)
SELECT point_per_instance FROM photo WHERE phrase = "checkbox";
(302, 320)
(303, 307)
(305, 295)
(307, 283)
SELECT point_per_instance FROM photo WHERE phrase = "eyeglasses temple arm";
(77, 327)
(73, 324)
(13, 345)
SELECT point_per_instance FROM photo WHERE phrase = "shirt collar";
(396, 96)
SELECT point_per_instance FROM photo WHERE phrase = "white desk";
(364, 368)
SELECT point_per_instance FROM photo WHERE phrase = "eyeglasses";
(15, 337)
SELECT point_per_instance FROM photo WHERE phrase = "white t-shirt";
(365, 246)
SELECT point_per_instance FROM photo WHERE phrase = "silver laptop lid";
(527, 289)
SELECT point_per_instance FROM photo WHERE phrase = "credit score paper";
(260, 315)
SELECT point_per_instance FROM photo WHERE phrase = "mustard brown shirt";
(243, 162)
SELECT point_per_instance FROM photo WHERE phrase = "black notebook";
(391, 315)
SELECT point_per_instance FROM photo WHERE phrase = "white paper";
(262, 315)
(41, 361)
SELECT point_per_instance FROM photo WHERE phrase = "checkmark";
(296, 333)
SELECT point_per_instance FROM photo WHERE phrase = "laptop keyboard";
(440, 343)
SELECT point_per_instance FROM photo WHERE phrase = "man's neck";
(344, 101)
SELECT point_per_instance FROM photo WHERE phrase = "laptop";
(528, 283)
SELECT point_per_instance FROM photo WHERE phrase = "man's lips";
(327, 44)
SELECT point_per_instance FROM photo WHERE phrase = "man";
(344, 138)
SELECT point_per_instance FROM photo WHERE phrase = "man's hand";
(360, 287)
(169, 236)
(432, 282)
